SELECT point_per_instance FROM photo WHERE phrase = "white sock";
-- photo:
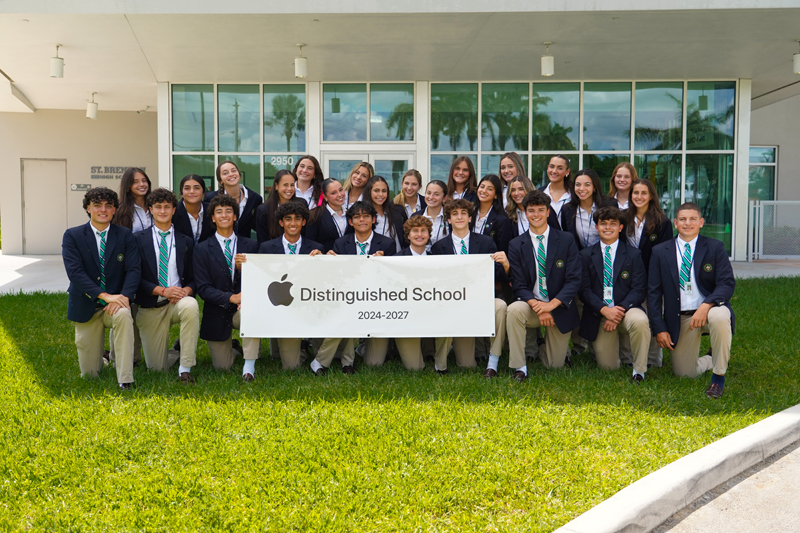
(316, 365)
(523, 369)
(182, 369)
(493, 360)
(635, 372)
(249, 367)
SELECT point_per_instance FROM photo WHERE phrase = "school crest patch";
(625, 274)
(707, 267)
(653, 237)
(560, 263)
(120, 257)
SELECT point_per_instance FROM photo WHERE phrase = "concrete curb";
(645, 504)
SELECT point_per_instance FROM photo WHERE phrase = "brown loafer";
(349, 370)
(714, 391)
(637, 379)
(490, 373)
(445, 372)
(248, 378)
(127, 386)
(520, 376)
(186, 378)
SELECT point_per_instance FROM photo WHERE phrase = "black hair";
(193, 177)
(388, 206)
(124, 215)
(609, 212)
(273, 201)
(597, 195)
(98, 195)
(161, 195)
(688, 205)
(316, 181)
(439, 183)
(223, 200)
(292, 207)
(535, 198)
(497, 204)
(361, 207)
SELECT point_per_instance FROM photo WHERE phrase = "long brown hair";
(317, 211)
(319, 177)
(348, 183)
(511, 207)
(612, 187)
(654, 214)
(472, 182)
(124, 214)
(388, 210)
(273, 201)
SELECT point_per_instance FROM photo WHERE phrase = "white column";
(314, 119)
(741, 176)
(422, 129)
(164, 137)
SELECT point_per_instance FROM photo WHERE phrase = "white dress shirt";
(505, 195)
(458, 195)
(523, 224)
(613, 247)
(481, 222)
(457, 243)
(308, 196)
(97, 239)
(637, 231)
(339, 220)
(234, 241)
(689, 302)
(173, 280)
(197, 225)
(424, 252)
(142, 219)
(347, 202)
(287, 243)
(382, 226)
(411, 210)
(585, 227)
(535, 241)
(439, 228)
(556, 206)
(622, 205)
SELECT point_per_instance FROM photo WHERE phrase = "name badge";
(543, 284)
(688, 288)
(608, 293)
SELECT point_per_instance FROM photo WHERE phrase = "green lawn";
(384, 450)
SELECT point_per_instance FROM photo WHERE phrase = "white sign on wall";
(291, 296)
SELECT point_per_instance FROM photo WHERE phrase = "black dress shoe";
(177, 345)
(186, 378)
(445, 372)
(248, 378)
(106, 357)
(349, 370)
(714, 391)
(127, 386)
(637, 379)
(520, 376)
(490, 373)
(568, 362)
(320, 371)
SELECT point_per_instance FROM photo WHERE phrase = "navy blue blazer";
(183, 222)
(422, 206)
(347, 245)
(661, 233)
(569, 220)
(478, 244)
(498, 227)
(553, 219)
(628, 279)
(82, 263)
(263, 215)
(562, 271)
(405, 251)
(399, 218)
(275, 246)
(184, 247)
(215, 286)
(324, 230)
(712, 270)
(471, 196)
(247, 222)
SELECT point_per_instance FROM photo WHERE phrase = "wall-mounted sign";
(81, 186)
(108, 173)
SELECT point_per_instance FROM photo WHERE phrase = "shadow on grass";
(762, 376)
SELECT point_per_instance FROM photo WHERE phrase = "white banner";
(294, 296)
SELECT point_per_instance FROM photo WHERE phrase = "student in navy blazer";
(191, 217)
(100, 296)
(409, 199)
(229, 180)
(462, 181)
(542, 300)
(558, 188)
(166, 289)
(690, 296)
(362, 217)
(612, 305)
(328, 222)
(219, 284)
(489, 217)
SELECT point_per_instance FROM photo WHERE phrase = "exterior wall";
(115, 139)
(777, 125)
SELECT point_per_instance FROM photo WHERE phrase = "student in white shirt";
(309, 180)
(409, 197)
(390, 216)
(356, 180)
(133, 190)
(511, 166)
(558, 188)
(462, 182)
(328, 222)
(435, 193)
(623, 178)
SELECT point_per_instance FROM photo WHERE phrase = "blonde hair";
(348, 183)
(400, 198)
(511, 207)
(612, 187)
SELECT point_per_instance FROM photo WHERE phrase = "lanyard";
(483, 224)
(588, 225)
(139, 218)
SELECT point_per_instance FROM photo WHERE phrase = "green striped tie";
(292, 249)
(163, 260)
(607, 277)
(102, 236)
(464, 250)
(686, 266)
(541, 260)
(229, 255)
(362, 248)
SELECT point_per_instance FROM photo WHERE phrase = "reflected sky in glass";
(454, 116)
(504, 109)
(285, 118)
(344, 112)
(239, 114)
(607, 116)
(192, 118)
(391, 112)
(659, 116)
(556, 116)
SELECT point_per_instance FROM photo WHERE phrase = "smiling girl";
(390, 216)
(283, 190)
(435, 194)
(558, 173)
(133, 190)
(356, 181)
(622, 179)
(309, 180)
(461, 182)
(409, 197)
(511, 166)
(230, 182)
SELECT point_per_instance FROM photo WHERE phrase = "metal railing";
(773, 230)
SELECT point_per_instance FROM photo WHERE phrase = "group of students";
(603, 271)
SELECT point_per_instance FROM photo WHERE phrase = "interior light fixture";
(91, 109)
(703, 101)
(57, 65)
(548, 63)
(300, 64)
(796, 61)
(336, 103)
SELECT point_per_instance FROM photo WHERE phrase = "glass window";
(272, 164)
(249, 168)
(504, 115)
(344, 112)
(659, 116)
(665, 173)
(761, 183)
(556, 116)
(193, 118)
(392, 171)
(339, 169)
(391, 112)
(607, 116)
(762, 154)
(539, 163)
(239, 113)
(202, 165)
(440, 165)
(490, 164)
(709, 184)
(710, 108)
(604, 165)
(285, 118)
(454, 116)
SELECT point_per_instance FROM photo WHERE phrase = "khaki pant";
(222, 354)
(520, 317)
(486, 346)
(90, 340)
(606, 347)
(154, 326)
(654, 352)
(328, 349)
(684, 357)
(288, 351)
(410, 352)
(464, 348)
(137, 340)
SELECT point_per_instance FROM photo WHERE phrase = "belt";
(688, 313)
(162, 303)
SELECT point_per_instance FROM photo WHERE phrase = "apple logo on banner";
(279, 292)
